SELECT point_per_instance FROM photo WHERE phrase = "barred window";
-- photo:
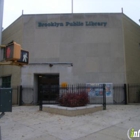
(6, 81)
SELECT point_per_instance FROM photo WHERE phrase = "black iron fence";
(121, 94)
(54, 93)
(15, 95)
(134, 93)
(22, 95)
(27, 95)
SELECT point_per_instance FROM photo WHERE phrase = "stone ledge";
(72, 111)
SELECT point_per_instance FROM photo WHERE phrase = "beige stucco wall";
(13, 32)
(97, 53)
(132, 50)
(13, 71)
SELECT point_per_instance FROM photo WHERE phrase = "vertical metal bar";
(104, 97)
(125, 94)
(17, 95)
(128, 93)
(20, 98)
(41, 97)
(0, 133)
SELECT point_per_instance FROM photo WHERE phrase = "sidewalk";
(27, 123)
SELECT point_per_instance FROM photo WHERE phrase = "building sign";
(72, 24)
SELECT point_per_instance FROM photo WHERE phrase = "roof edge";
(131, 20)
(70, 14)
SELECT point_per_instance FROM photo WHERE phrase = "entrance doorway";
(48, 87)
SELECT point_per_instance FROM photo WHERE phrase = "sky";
(13, 8)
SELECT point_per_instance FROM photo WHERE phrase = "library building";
(85, 48)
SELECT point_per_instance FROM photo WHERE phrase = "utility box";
(5, 100)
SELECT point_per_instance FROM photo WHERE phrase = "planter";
(72, 111)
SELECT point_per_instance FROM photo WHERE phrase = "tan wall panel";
(15, 73)
(13, 32)
(132, 50)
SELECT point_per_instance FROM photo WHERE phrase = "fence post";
(40, 106)
(20, 95)
(17, 95)
(125, 94)
(128, 93)
(104, 97)
(0, 133)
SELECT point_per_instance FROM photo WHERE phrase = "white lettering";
(135, 134)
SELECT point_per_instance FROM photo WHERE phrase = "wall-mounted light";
(50, 65)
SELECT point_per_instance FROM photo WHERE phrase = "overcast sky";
(13, 8)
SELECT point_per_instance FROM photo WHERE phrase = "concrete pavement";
(28, 123)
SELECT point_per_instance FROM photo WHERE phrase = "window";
(6, 81)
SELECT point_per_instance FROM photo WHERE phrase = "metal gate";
(48, 88)
(134, 93)
(119, 94)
